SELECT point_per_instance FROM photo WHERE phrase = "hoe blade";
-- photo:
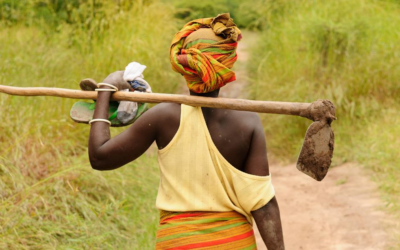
(316, 154)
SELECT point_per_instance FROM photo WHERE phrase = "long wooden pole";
(286, 108)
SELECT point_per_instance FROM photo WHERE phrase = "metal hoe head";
(317, 151)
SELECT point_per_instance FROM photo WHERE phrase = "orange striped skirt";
(204, 230)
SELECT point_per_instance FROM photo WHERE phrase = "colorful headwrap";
(205, 58)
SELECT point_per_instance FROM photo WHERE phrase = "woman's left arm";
(106, 153)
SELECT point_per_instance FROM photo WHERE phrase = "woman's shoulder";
(165, 114)
(162, 115)
(166, 110)
(242, 118)
(168, 107)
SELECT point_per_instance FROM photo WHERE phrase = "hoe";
(314, 158)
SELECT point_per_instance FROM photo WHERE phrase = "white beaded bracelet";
(100, 120)
(107, 84)
(106, 90)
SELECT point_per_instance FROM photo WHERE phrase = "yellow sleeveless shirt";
(196, 177)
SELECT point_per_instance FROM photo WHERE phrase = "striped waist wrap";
(204, 230)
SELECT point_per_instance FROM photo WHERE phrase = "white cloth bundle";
(134, 76)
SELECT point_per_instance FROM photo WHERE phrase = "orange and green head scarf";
(204, 52)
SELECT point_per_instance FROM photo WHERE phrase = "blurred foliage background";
(345, 51)
(50, 196)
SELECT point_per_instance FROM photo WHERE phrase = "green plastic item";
(82, 112)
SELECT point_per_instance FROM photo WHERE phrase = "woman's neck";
(214, 93)
(207, 112)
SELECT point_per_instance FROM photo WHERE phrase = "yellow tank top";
(196, 177)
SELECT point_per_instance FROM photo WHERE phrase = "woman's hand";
(117, 79)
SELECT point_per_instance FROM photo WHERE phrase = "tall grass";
(74, 207)
(246, 14)
(345, 51)
(50, 197)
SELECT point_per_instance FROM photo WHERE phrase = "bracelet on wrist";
(107, 85)
(100, 120)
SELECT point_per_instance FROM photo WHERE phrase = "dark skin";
(238, 135)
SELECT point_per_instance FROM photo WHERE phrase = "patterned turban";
(204, 52)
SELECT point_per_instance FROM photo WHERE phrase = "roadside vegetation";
(50, 198)
(344, 51)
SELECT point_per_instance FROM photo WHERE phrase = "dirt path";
(341, 212)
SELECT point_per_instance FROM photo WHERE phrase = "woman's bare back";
(234, 133)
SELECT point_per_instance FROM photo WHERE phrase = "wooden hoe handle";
(286, 108)
(317, 151)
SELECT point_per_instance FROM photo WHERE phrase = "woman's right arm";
(269, 225)
(267, 218)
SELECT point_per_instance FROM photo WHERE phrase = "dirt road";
(342, 212)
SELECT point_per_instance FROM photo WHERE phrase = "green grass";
(246, 14)
(50, 198)
(78, 208)
(344, 51)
